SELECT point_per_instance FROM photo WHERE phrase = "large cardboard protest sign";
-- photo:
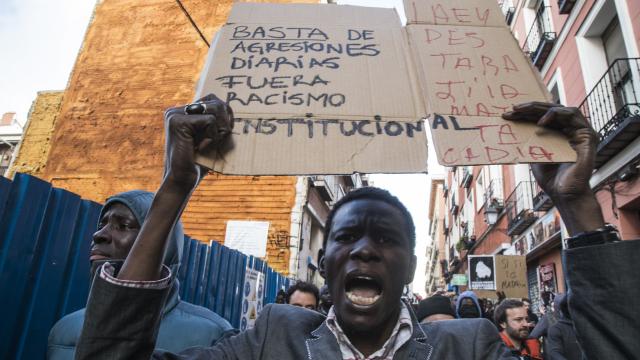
(505, 273)
(471, 70)
(316, 89)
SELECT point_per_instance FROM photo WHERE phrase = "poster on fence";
(252, 297)
(482, 272)
(248, 237)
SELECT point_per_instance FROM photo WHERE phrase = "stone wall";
(31, 156)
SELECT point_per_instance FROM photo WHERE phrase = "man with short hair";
(303, 294)
(367, 260)
(511, 316)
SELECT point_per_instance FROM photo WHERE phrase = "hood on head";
(471, 295)
(561, 305)
(139, 202)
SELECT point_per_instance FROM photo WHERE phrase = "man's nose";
(102, 235)
(365, 249)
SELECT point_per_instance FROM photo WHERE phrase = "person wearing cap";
(435, 308)
(183, 325)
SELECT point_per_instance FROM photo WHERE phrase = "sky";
(40, 40)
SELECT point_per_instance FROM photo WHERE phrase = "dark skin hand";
(566, 184)
(185, 135)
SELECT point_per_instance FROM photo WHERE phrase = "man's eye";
(385, 239)
(345, 238)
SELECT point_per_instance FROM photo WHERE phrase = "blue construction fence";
(45, 237)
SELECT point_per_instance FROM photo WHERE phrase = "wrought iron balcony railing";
(613, 108)
(519, 208)
(493, 194)
(508, 10)
(540, 38)
(565, 6)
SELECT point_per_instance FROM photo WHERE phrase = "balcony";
(565, 6)
(467, 176)
(613, 108)
(508, 10)
(542, 202)
(493, 195)
(540, 38)
(519, 208)
(323, 187)
(454, 209)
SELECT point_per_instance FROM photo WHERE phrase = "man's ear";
(321, 268)
(412, 270)
(503, 325)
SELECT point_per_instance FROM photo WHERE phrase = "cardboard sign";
(454, 12)
(511, 275)
(482, 273)
(316, 89)
(471, 70)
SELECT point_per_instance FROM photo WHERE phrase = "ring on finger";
(195, 109)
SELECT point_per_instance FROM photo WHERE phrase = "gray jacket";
(282, 332)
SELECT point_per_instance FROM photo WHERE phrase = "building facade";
(10, 135)
(587, 54)
(436, 246)
(322, 192)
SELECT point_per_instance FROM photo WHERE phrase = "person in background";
(325, 300)
(549, 318)
(281, 297)
(183, 325)
(561, 342)
(435, 308)
(533, 318)
(488, 310)
(303, 294)
(468, 306)
(511, 316)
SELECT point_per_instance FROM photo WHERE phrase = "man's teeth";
(362, 300)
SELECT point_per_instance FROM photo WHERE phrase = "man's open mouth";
(363, 290)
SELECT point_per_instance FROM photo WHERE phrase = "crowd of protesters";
(527, 335)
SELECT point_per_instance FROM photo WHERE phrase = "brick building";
(104, 133)
(587, 53)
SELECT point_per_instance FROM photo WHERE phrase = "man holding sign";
(367, 259)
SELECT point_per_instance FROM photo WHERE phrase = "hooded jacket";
(183, 325)
(471, 295)
(561, 342)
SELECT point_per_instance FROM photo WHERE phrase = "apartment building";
(436, 247)
(587, 54)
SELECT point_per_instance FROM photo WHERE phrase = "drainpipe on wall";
(302, 189)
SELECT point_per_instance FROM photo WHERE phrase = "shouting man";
(368, 259)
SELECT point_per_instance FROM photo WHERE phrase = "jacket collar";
(322, 344)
